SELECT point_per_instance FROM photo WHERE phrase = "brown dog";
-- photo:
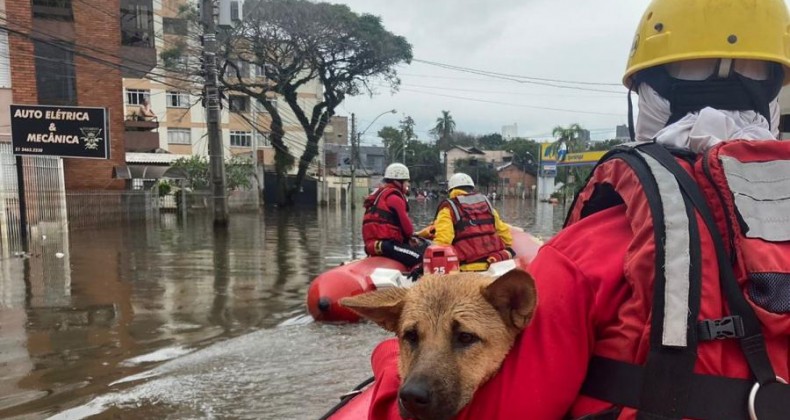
(454, 330)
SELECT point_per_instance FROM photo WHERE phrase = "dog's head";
(455, 330)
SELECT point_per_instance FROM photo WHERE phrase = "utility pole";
(354, 140)
(211, 91)
(254, 146)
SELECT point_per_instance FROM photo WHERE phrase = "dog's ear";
(381, 306)
(514, 296)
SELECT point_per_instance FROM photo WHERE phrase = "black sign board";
(64, 131)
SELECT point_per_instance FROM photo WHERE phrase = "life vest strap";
(710, 397)
(721, 329)
(753, 342)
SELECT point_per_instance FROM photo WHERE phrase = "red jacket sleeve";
(542, 374)
(398, 205)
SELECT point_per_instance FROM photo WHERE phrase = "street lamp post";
(354, 154)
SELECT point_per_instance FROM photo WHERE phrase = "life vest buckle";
(753, 397)
(721, 329)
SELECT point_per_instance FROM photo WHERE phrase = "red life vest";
(379, 222)
(476, 237)
(708, 269)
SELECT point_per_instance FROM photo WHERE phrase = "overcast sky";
(568, 40)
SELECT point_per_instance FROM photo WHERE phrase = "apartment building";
(179, 125)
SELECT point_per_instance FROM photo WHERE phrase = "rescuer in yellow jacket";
(469, 222)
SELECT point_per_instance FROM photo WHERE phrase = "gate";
(45, 193)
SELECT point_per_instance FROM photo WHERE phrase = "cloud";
(577, 40)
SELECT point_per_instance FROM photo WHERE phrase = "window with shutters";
(55, 77)
(5, 63)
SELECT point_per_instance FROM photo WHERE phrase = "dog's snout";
(415, 397)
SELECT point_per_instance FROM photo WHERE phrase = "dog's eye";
(411, 337)
(465, 339)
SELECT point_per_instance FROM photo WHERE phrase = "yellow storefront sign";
(549, 155)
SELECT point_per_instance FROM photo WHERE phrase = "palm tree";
(444, 129)
(571, 136)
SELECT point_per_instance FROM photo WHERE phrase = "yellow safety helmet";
(678, 30)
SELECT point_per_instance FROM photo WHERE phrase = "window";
(172, 26)
(240, 139)
(263, 141)
(137, 26)
(260, 71)
(55, 77)
(239, 103)
(178, 63)
(179, 136)
(137, 96)
(242, 66)
(52, 9)
(5, 64)
(272, 101)
(235, 13)
(177, 99)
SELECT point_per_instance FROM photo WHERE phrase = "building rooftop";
(153, 158)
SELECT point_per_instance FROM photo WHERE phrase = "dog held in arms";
(454, 332)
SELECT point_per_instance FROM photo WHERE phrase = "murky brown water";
(171, 321)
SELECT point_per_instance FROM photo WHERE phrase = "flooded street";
(165, 320)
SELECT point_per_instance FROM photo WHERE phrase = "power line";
(520, 80)
(619, 95)
(60, 43)
(510, 104)
(486, 72)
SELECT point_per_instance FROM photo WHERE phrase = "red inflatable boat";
(360, 276)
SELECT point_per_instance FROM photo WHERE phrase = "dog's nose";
(415, 398)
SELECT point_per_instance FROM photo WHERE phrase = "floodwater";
(166, 320)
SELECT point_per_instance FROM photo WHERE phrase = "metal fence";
(90, 209)
(197, 201)
(45, 196)
(49, 206)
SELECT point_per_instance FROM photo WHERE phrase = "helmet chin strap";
(725, 68)
(399, 184)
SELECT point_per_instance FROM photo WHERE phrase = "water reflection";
(89, 308)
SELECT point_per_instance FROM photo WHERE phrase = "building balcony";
(141, 135)
(137, 60)
(138, 49)
(141, 141)
(132, 124)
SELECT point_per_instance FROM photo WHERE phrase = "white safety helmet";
(460, 180)
(397, 172)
